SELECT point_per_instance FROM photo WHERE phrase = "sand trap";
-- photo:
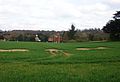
(56, 51)
(98, 48)
(13, 50)
(101, 48)
(53, 51)
(66, 53)
(83, 49)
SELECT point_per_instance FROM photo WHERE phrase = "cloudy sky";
(55, 14)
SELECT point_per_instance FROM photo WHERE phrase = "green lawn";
(39, 65)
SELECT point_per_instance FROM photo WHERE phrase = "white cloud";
(54, 14)
(115, 1)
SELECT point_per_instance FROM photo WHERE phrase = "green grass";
(38, 65)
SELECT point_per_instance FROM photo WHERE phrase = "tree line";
(71, 35)
(93, 34)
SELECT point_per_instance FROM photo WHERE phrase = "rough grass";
(37, 65)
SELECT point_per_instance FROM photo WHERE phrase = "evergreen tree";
(113, 27)
(72, 32)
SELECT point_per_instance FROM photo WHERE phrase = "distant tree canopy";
(71, 32)
(113, 27)
(72, 35)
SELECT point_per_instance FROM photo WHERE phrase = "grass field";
(64, 65)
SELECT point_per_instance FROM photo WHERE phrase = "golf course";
(59, 62)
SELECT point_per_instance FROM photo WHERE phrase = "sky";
(56, 14)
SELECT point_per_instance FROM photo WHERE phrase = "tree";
(117, 15)
(81, 36)
(113, 27)
(72, 32)
(65, 36)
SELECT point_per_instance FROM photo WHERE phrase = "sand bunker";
(101, 48)
(56, 52)
(66, 53)
(98, 48)
(83, 49)
(13, 50)
(53, 51)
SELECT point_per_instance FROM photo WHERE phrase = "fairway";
(59, 62)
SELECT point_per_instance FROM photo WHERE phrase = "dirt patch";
(14, 50)
(98, 48)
